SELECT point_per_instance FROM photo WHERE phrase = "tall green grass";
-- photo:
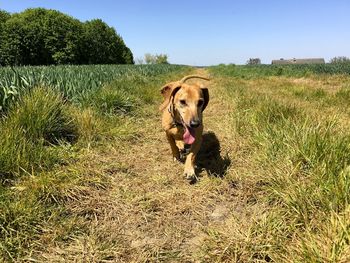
(36, 121)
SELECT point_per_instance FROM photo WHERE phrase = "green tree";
(41, 37)
(11, 43)
(64, 38)
(4, 16)
(102, 45)
(254, 61)
(128, 56)
(150, 59)
(156, 59)
(341, 59)
(162, 59)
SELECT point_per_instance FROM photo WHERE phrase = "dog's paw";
(190, 175)
(179, 159)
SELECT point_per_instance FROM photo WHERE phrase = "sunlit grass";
(303, 155)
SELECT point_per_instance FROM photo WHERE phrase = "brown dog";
(182, 119)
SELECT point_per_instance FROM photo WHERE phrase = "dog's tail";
(183, 80)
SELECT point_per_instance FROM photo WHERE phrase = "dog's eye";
(183, 102)
(200, 103)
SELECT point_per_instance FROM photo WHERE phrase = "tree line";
(39, 36)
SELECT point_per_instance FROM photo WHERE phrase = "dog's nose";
(194, 123)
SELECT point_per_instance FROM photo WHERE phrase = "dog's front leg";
(174, 149)
(191, 159)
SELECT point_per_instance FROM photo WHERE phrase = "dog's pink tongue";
(189, 135)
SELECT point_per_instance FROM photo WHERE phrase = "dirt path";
(150, 212)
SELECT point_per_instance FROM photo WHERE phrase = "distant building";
(299, 61)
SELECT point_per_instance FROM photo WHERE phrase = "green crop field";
(87, 175)
(73, 82)
(302, 70)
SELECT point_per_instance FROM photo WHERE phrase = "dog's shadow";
(209, 157)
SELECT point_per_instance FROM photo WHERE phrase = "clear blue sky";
(218, 31)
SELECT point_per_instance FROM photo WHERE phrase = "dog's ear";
(168, 91)
(206, 97)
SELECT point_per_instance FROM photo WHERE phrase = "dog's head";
(186, 102)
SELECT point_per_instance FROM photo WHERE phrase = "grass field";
(87, 174)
